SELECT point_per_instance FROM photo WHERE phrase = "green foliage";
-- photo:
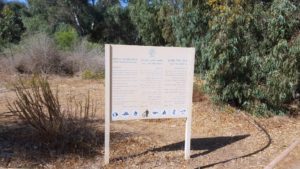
(247, 51)
(250, 62)
(77, 13)
(115, 27)
(37, 18)
(190, 27)
(282, 22)
(164, 16)
(228, 52)
(144, 17)
(36, 24)
(66, 37)
(88, 74)
(11, 27)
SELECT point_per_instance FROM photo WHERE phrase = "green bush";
(88, 74)
(66, 37)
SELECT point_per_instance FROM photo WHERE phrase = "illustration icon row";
(147, 113)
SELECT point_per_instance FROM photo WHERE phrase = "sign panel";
(151, 82)
(146, 82)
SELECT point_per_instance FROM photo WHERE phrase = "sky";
(24, 1)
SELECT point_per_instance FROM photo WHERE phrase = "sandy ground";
(221, 137)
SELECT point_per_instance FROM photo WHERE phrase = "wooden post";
(187, 143)
(107, 102)
(188, 124)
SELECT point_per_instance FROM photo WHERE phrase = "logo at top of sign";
(151, 52)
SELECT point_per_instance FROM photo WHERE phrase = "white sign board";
(146, 82)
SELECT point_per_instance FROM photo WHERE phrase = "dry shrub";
(86, 56)
(7, 65)
(38, 54)
(39, 107)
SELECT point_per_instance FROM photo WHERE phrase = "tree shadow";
(209, 144)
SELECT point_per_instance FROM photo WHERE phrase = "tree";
(11, 26)
(144, 16)
(115, 26)
(191, 25)
(250, 60)
(81, 14)
(78, 13)
(1, 4)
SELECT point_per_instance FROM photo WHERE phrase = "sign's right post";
(188, 125)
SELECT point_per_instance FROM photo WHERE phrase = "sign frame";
(108, 105)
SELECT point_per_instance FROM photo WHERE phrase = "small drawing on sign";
(183, 111)
(115, 114)
(174, 112)
(164, 112)
(146, 113)
(155, 112)
(135, 113)
(125, 114)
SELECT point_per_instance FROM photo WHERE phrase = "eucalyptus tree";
(51, 13)
(11, 25)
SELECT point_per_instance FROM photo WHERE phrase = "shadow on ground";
(209, 144)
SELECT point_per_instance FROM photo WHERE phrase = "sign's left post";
(108, 104)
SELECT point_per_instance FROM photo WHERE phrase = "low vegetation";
(66, 127)
(88, 74)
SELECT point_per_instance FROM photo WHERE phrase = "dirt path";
(221, 138)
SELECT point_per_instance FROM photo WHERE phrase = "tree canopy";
(248, 51)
